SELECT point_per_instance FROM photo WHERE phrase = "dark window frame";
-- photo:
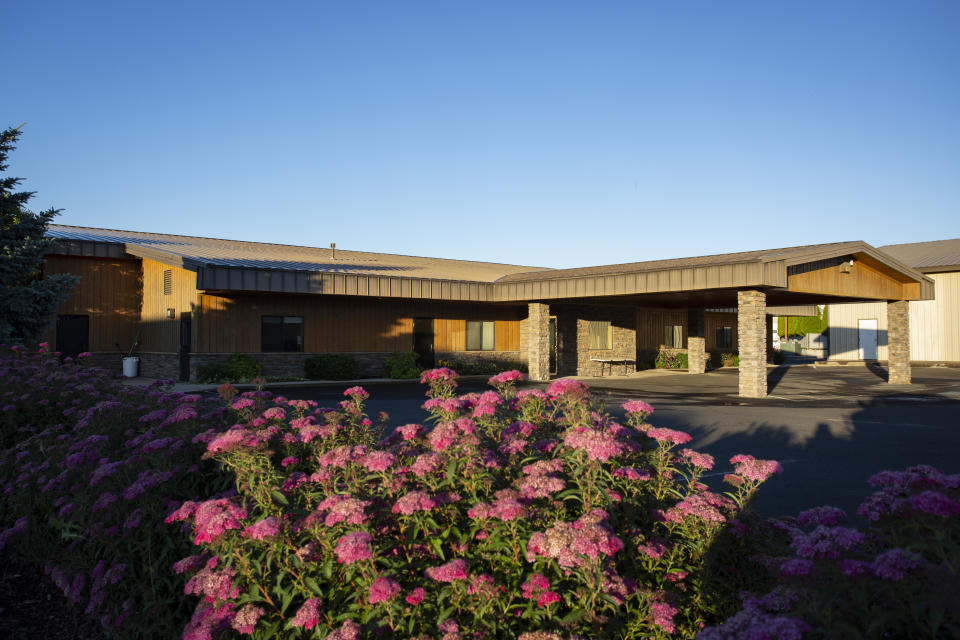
(493, 335)
(670, 334)
(283, 342)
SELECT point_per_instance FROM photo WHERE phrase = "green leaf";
(279, 497)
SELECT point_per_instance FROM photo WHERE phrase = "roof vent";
(167, 282)
(333, 250)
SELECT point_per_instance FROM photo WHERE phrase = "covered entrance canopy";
(750, 282)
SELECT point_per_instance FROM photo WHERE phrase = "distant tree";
(27, 299)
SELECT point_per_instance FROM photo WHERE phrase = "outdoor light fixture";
(171, 313)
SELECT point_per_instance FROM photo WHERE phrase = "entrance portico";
(748, 282)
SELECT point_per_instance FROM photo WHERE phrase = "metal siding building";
(934, 324)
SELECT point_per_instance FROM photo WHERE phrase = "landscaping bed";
(502, 514)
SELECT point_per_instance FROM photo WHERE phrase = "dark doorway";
(73, 335)
(423, 341)
(185, 346)
(552, 332)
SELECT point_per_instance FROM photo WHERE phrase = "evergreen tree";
(27, 299)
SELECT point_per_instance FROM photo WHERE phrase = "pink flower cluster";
(383, 590)
(572, 543)
(507, 377)
(343, 508)
(597, 444)
(826, 542)
(456, 569)
(537, 586)
(668, 436)
(752, 469)
(440, 374)
(639, 408)
(412, 502)
(354, 547)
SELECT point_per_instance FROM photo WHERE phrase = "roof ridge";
(300, 246)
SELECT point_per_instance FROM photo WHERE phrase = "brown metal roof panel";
(936, 253)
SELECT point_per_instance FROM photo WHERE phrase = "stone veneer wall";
(751, 327)
(573, 322)
(165, 366)
(538, 340)
(696, 341)
(109, 360)
(898, 342)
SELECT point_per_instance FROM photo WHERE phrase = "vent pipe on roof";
(333, 250)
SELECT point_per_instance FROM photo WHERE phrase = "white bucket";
(130, 365)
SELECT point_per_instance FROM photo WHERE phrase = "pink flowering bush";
(897, 577)
(506, 514)
(90, 470)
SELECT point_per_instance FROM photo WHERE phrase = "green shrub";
(802, 325)
(331, 366)
(241, 368)
(244, 367)
(667, 360)
(482, 367)
(402, 364)
(213, 373)
(724, 359)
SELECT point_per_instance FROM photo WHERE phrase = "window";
(673, 336)
(724, 337)
(479, 335)
(600, 335)
(281, 333)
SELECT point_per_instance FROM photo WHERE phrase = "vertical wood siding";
(108, 292)
(341, 324)
(863, 281)
(159, 333)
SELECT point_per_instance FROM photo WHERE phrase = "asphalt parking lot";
(830, 427)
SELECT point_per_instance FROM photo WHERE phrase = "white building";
(858, 331)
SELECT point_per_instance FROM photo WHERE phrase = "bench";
(612, 361)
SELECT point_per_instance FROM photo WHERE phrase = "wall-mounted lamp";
(171, 313)
(846, 266)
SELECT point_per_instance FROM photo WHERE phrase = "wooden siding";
(651, 323)
(843, 332)
(863, 281)
(159, 333)
(712, 322)
(342, 324)
(108, 292)
(935, 324)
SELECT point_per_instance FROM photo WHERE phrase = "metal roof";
(928, 257)
(197, 253)
(231, 265)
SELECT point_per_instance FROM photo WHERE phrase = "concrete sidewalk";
(786, 385)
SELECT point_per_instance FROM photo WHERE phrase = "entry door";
(553, 346)
(185, 339)
(423, 341)
(867, 330)
(73, 335)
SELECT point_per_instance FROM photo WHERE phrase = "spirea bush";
(506, 514)
(895, 578)
(90, 470)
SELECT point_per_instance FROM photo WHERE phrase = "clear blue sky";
(544, 133)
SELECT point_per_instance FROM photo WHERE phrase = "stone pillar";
(538, 341)
(751, 327)
(696, 341)
(898, 342)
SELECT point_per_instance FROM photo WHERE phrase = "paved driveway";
(831, 428)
